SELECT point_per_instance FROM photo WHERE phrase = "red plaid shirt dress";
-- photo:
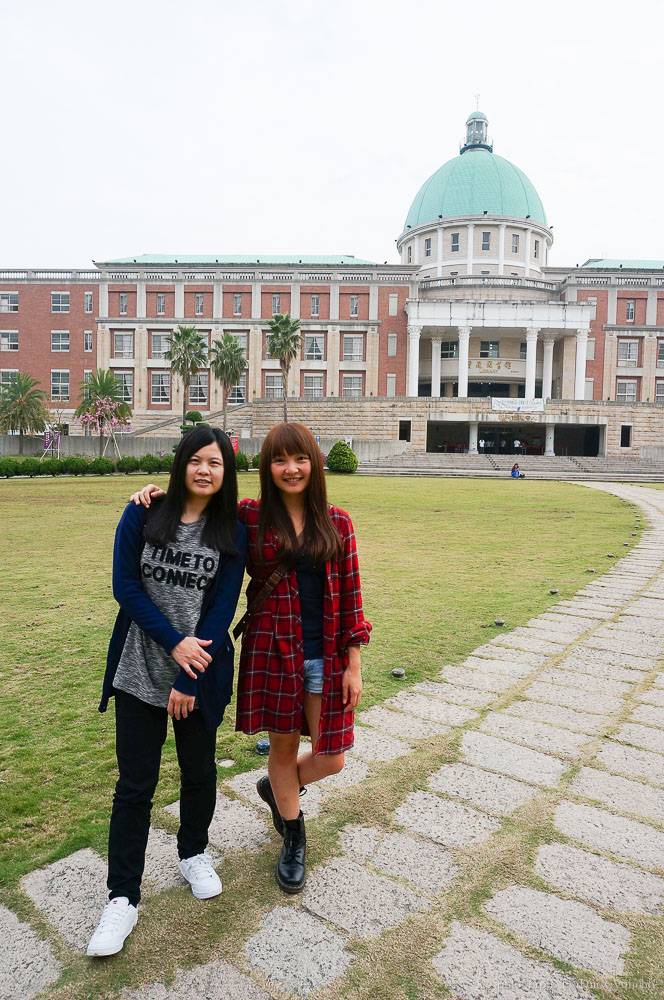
(271, 677)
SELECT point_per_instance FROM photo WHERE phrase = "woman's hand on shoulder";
(146, 495)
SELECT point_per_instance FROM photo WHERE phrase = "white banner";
(507, 404)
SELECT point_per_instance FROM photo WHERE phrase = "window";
(626, 391)
(628, 353)
(427, 247)
(354, 305)
(123, 303)
(449, 348)
(60, 386)
(626, 436)
(454, 246)
(8, 377)
(391, 385)
(486, 241)
(489, 349)
(241, 339)
(393, 305)
(198, 389)
(409, 255)
(353, 347)
(8, 302)
(590, 349)
(313, 385)
(198, 304)
(59, 340)
(160, 387)
(237, 303)
(314, 347)
(87, 341)
(276, 305)
(515, 242)
(659, 391)
(523, 350)
(123, 345)
(536, 249)
(589, 391)
(8, 340)
(160, 344)
(660, 353)
(315, 305)
(161, 304)
(87, 302)
(391, 345)
(351, 385)
(87, 378)
(629, 310)
(268, 338)
(404, 430)
(274, 387)
(59, 302)
(238, 393)
(126, 382)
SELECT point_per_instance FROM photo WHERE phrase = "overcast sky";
(218, 127)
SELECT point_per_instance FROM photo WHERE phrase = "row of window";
(486, 245)
(60, 340)
(314, 345)
(60, 302)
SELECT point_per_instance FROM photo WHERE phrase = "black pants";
(140, 734)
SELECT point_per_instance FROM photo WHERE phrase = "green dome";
(475, 182)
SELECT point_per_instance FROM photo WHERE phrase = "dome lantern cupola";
(476, 133)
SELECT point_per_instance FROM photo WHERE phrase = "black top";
(311, 588)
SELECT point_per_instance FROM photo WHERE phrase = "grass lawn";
(440, 559)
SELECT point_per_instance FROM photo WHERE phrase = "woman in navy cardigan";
(177, 574)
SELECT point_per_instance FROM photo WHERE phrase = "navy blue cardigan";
(214, 687)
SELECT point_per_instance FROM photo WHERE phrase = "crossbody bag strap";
(270, 584)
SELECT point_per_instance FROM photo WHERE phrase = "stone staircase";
(420, 463)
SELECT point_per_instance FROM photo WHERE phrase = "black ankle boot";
(291, 873)
(264, 789)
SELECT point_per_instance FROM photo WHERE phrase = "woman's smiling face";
(205, 471)
(291, 473)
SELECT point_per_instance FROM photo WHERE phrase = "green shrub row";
(76, 466)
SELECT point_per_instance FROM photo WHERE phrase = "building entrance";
(511, 439)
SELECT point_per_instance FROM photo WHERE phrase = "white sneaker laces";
(200, 865)
(111, 918)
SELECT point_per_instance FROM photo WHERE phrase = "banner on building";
(507, 404)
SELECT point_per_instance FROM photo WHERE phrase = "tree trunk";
(185, 385)
(20, 442)
(101, 440)
(224, 389)
(284, 379)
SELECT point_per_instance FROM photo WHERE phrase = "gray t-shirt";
(175, 579)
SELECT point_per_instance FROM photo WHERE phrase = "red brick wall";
(323, 293)
(168, 291)
(227, 296)
(190, 293)
(392, 324)
(267, 291)
(595, 369)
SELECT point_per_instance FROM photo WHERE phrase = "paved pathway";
(567, 709)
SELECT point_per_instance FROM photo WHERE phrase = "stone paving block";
(659, 680)
(427, 708)
(588, 664)
(357, 900)
(629, 625)
(495, 650)
(610, 884)
(296, 952)
(583, 607)
(655, 696)
(477, 965)
(557, 715)
(641, 736)
(522, 639)
(494, 793)
(482, 681)
(508, 758)
(625, 650)
(445, 822)
(646, 608)
(27, 964)
(625, 838)
(568, 930)
(602, 704)
(620, 793)
(162, 868)
(218, 980)
(537, 735)
(402, 726)
(588, 682)
(371, 745)
(425, 865)
(457, 695)
(649, 714)
(245, 785)
(360, 842)
(234, 826)
(516, 670)
(353, 772)
(631, 761)
(71, 893)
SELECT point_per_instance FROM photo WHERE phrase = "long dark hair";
(163, 517)
(322, 541)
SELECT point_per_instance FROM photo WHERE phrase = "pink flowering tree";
(101, 406)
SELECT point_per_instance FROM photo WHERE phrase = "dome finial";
(476, 131)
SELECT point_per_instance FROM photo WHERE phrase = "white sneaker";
(201, 876)
(117, 922)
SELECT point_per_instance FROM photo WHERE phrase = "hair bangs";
(290, 439)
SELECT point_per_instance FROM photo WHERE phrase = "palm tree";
(228, 364)
(22, 407)
(284, 344)
(101, 405)
(187, 353)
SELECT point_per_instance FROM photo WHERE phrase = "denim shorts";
(313, 676)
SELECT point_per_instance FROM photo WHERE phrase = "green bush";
(256, 460)
(52, 467)
(341, 458)
(241, 462)
(193, 417)
(127, 464)
(8, 467)
(149, 463)
(100, 467)
(166, 463)
(75, 465)
(30, 467)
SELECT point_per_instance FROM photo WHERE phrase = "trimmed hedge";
(241, 462)
(101, 467)
(193, 417)
(149, 463)
(341, 458)
(8, 467)
(76, 466)
(127, 465)
(256, 461)
(166, 463)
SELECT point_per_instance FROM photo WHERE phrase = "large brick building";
(471, 321)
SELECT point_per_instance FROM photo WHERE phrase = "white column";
(501, 248)
(580, 368)
(464, 338)
(435, 368)
(413, 358)
(470, 240)
(528, 247)
(547, 367)
(531, 360)
(548, 440)
(472, 437)
(179, 298)
(439, 266)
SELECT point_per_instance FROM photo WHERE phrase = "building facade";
(473, 327)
